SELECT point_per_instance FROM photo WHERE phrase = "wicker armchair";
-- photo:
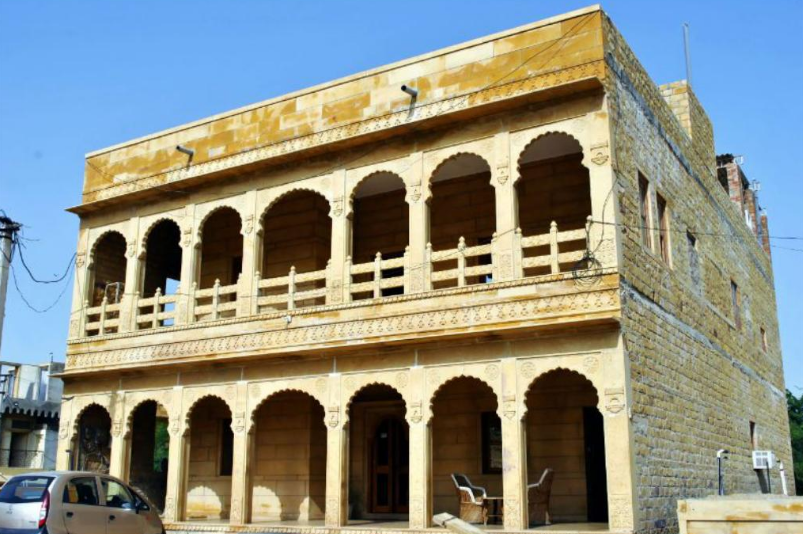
(538, 498)
(473, 506)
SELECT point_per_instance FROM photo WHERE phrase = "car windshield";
(24, 489)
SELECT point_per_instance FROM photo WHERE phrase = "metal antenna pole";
(687, 52)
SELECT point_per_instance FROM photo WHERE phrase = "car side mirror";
(142, 506)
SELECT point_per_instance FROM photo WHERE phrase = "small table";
(497, 509)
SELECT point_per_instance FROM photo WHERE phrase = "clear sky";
(77, 76)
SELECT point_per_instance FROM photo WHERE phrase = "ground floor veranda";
(375, 449)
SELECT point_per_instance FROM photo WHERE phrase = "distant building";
(30, 401)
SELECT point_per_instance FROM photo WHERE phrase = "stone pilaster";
(418, 195)
(604, 199)
(336, 285)
(132, 277)
(80, 290)
(336, 459)
(117, 466)
(514, 451)
(177, 459)
(245, 283)
(66, 436)
(505, 248)
(420, 454)
(619, 460)
(241, 460)
(189, 257)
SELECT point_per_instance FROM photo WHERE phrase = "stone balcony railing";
(457, 267)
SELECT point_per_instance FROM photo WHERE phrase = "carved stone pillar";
(420, 455)
(117, 462)
(189, 249)
(505, 248)
(514, 451)
(66, 436)
(245, 283)
(80, 286)
(418, 195)
(177, 459)
(604, 199)
(336, 459)
(241, 461)
(132, 277)
(340, 242)
(618, 460)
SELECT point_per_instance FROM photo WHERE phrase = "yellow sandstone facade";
(332, 301)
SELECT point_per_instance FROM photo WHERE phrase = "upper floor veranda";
(451, 225)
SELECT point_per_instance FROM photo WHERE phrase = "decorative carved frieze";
(603, 299)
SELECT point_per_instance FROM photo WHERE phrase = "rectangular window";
(763, 334)
(644, 210)
(491, 443)
(737, 312)
(663, 229)
(694, 261)
(753, 435)
(226, 448)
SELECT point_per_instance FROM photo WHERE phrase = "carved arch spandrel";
(135, 399)
(261, 392)
(148, 223)
(436, 378)
(435, 159)
(353, 384)
(194, 395)
(268, 198)
(79, 405)
(581, 129)
(588, 365)
(96, 238)
(355, 178)
(204, 211)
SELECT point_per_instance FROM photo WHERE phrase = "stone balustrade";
(549, 253)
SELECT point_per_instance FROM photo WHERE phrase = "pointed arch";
(296, 231)
(107, 267)
(553, 186)
(289, 436)
(221, 247)
(462, 213)
(566, 436)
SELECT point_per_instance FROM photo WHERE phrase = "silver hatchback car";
(73, 502)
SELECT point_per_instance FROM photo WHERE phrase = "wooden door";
(390, 468)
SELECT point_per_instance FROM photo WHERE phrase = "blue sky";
(77, 76)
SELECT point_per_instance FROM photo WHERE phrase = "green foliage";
(795, 406)
(161, 444)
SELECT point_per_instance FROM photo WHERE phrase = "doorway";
(596, 476)
(390, 468)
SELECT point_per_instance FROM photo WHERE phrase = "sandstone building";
(324, 305)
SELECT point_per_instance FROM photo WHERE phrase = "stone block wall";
(699, 376)
(208, 491)
(556, 440)
(457, 441)
(289, 472)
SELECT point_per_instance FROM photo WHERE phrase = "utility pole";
(8, 231)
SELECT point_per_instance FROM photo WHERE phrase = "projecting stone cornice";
(495, 308)
(495, 97)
